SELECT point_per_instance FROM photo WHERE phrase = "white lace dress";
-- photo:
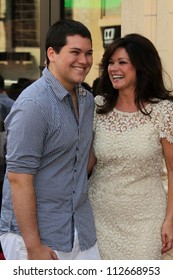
(125, 189)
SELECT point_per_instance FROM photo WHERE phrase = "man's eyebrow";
(78, 49)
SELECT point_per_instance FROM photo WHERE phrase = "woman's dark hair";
(57, 34)
(144, 57)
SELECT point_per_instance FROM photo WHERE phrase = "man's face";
(71, 65)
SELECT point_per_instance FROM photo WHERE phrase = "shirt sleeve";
(26, 130)
(166, 120)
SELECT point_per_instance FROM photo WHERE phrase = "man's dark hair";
(57, 34)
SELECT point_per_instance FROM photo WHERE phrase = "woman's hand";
(167, 236)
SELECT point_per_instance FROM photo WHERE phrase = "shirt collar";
(58, 88)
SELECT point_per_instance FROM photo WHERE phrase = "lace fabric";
(125, 189)
(161, 118)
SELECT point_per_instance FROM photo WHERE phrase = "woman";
(133, 130)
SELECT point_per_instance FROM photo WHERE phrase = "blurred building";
(23, 26)
(153, 19)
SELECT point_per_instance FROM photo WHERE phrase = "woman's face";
(121, 72)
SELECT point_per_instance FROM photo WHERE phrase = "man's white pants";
(14, 248)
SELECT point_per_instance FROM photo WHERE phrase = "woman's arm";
(167, 228)
(92, 160)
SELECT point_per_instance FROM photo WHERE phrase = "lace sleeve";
(98, 101)
(166, 120)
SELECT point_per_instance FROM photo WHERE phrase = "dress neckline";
(130, 113)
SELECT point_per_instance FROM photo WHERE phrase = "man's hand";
(42, 252)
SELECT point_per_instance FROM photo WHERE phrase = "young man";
(49, 136)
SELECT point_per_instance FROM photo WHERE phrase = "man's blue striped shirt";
(45, 139)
